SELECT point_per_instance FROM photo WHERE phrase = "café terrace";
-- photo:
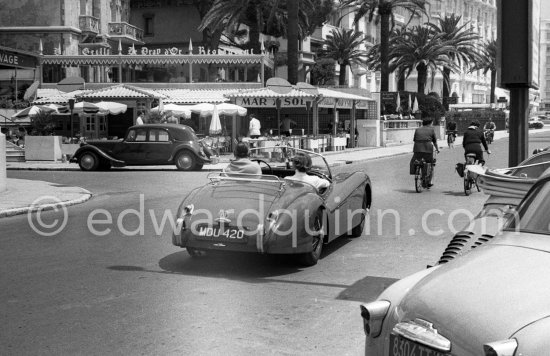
(147, 77)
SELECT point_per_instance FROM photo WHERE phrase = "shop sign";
(296, 102)
(144, 51)
(16, 59)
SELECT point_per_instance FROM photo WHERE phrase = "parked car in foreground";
(271, 214)
(151, 144)
(492, 300)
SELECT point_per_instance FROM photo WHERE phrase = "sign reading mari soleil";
(259, 102)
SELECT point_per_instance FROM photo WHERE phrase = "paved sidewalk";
(23, 196)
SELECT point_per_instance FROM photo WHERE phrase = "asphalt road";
(107, 284)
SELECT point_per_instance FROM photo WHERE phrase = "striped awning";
(186, 96)
(122, 91)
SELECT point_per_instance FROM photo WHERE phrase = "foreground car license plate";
(399, 346)
(219, 233)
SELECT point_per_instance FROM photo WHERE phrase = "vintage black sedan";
(150, 144)
(270, 213)
(492, 300)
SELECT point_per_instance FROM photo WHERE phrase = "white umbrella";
(206, 109)
(112, 107)
(102, 107)
(174, 109)
(215, 124)
(415, 105)
(33, 111)
(231, 109)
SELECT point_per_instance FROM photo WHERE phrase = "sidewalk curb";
(86, 195)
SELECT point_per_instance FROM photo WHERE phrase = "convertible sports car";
(151, 144)
(270, 213)
(492, 300)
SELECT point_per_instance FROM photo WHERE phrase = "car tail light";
(373, 316)
(501, 348)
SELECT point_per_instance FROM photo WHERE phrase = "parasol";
(102, 107)
(415, 105)
(206, 109)
(398, 102)
(173, 109)
(215, 124)
(33, 111)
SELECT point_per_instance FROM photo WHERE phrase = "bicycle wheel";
(418, 179)
(428, 175)
(450, 140)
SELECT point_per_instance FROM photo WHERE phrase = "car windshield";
(533, 212)
(278, 156)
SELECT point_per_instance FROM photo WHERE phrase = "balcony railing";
(88, 24)
(123, 30)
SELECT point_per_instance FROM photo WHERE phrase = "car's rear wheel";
(88, 161)
(311, 258)
(358, 229)
(195, 252)
(185, 161)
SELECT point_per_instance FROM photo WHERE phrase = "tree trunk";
(422, 77)
(342, 75)
(401, 83)
(293, 38)
(446, 86)
(384, 49)
(493, 84)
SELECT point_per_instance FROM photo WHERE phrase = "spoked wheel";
(467, 184)
(450, 140)
(311, 258)
(418, 180)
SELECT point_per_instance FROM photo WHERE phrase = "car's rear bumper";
(259, 242)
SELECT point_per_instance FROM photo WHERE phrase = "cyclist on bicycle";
(489, 128)
(474, 142)
(451, 132)
(424, 143)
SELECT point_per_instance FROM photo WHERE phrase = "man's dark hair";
(241, 150)
(426, 122)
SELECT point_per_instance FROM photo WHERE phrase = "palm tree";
(381, 11)
(421, 49)
(487, 61)
(463, 40)
(343, 46)
(293, 38)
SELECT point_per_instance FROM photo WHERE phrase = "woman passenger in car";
(302, 165)
(242, 164)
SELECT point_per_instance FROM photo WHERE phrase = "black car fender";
(88, 148)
